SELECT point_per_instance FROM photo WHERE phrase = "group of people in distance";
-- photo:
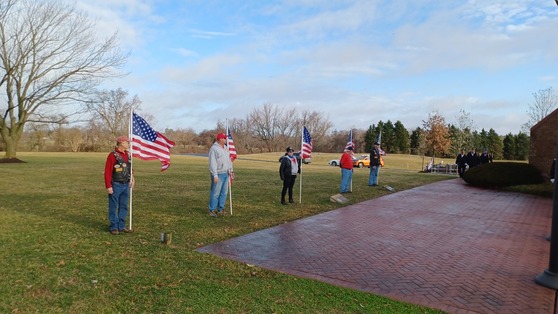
(346, 164)
(471, 159)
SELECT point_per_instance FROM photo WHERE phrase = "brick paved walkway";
(445, 245)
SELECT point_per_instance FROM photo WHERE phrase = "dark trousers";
(288, 183)
(461, 170)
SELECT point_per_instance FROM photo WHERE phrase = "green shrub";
(502, 174)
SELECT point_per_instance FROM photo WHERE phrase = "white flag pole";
(301, 158)
(131, 167)
(230, 185)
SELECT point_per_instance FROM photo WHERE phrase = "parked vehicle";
(305, 160)
(334, 162)
(362, 161)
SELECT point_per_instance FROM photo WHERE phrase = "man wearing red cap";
(118, 181)
(346, 164)
(220, 166)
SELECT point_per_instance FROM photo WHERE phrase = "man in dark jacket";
(472, 158)
(288, 170)
(374, 165)
(461, 162)
(485, 157)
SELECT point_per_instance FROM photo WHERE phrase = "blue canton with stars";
(142, 129)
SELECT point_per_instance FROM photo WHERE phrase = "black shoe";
(283, 202)
(291, 200)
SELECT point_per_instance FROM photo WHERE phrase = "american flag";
(230, 144)
(306, 150)
(350, 142)
(379, 141)
(149, 144)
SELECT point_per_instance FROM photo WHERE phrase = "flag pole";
(352, 154)
(131, 166)
(230, 185)
(301, 158)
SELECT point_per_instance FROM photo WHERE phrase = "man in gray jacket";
(220, 166)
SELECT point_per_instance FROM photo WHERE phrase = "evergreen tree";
(388, 137)
(483, 141)
(494, 144)
(416, 142)
(455, 135)
(509, 147)
(401, 136)
(369, 138)
(521, 146)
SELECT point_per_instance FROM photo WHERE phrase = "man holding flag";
(118, 182)
(375, 156)
(220, 167)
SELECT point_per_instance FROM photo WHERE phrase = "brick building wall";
(542, 148)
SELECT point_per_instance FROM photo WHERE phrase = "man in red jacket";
(118, 182)
(346, 164)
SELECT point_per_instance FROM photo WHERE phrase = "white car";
(334, 162)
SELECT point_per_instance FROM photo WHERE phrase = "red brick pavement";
(445, 245)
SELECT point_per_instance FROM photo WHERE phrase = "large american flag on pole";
(230, 145)
(350, 142)
(306, 150)
(148, 144)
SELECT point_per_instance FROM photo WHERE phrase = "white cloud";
(394, 60)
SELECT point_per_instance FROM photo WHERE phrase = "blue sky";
(196, 62)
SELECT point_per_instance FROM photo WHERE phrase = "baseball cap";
(122, 138)
(221, 135)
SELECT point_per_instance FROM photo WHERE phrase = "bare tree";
(266, 123)
(318, 125)
(69, 139)
(184, 139)
(50, 59)
(545, 102)
(111, 109)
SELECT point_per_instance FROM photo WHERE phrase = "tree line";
(271, 128)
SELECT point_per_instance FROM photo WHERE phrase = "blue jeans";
(118, 206)
(346, 176)
(373, 179)
(218, 192)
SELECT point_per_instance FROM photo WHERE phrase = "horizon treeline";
(271, 128)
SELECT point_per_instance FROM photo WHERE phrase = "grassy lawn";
(58, 256)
